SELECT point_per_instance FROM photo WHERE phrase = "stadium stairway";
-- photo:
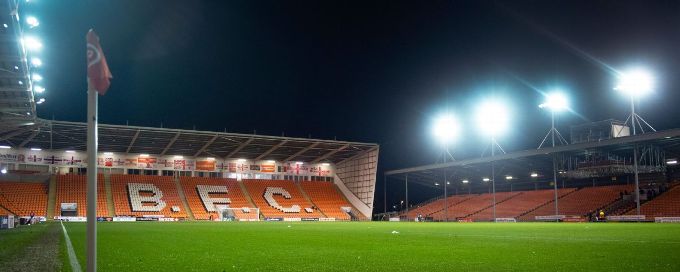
(51, 196)
(354, 213)
(510, 195)
(548, 203)
(304, 194)
(247, 195)
(183, 197)
(109, 195)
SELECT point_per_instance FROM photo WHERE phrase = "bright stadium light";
(70, 151)
(325, 164)
(40, 101)
(38, 89)
(486, 179)
(241, 160)
(446, 129)
(672, 162)
(508, 177)
(36, 149)
(210, 158)
(36, 77)
(4, 171)
(555, 101)
(436, 184)
(143, 155)
(635, 83)
(492, 117)
(32, 21)
(5, 147)
(32, 43)
(465, 181)
(108, 153)
(299, 163)
(36, 62)
(534, 175)
(178, 157)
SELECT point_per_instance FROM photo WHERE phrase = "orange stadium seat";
(123, 203)
(666, 204)
(73, 189)
(436, 208)
(474, 204)
(327, 198)
(235, 194)
(520, 204)
(24, 198)
(287, 205)
(582, 202)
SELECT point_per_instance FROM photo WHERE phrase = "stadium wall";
(356, 178)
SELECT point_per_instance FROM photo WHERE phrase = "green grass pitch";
(372, 246)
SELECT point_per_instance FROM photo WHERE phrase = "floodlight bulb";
(635, 83)
(486, 179)
(32, 43)
(492, 117)
(508, 177)
(465, 181)
(446, 128)
(39, 89)
(4, 171)
(672, 162)
(533, 175)
(32, 21)
(555, 101)
(37, 77)
(36, 62)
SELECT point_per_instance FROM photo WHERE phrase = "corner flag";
(98, 73)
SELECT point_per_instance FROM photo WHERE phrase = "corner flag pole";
(98, 81)
(92, 101)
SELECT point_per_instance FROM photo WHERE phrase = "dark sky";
(359, 71)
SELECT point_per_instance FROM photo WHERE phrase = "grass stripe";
(75, 266)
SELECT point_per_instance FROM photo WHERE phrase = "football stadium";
(103, 194)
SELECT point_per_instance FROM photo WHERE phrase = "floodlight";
(486, 179)
(32, 43)
(672, 162)
(40, 101)
(5, 25)
(70, 151)
(324, 164)
(508, 177)
(241, 160)
(143, 155)
(36, 77)
(492, 117)
(534, 175)
(36, 149)
(555, 101)
(210, 158)
(32, 21)
(298, 163)
(446, 128)
(108, 153)
(635, 83)
(436, 184)
(178, 157)
(36, 62)
(447, 183)
(465, 181)
(4, 171)
(38, 89)
(5, 147)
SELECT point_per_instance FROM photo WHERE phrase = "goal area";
(226, 213)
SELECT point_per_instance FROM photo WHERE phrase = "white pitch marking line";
(75, 266)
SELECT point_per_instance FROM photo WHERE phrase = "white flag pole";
(92, 179)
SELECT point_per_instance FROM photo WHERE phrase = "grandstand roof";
(62, 135)
(17, 104)
(533, 160)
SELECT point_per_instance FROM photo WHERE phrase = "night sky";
(359, 71)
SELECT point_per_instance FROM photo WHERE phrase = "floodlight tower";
(635, 84)
(446, 129)
(555, 102)
(492, 119)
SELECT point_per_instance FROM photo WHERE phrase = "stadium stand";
(474, 205)
(520, 204)
(143, 200)
(327, 198)
(73, 189)
(666, 204)
(24, 198)
(433, 207)
(237, 198)
(280, 199)
(582, 202)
